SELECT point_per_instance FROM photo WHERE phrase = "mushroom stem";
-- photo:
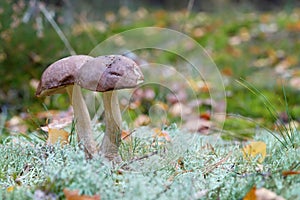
(83, 122)
(113, 122)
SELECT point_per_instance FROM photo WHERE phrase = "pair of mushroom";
(103, 74)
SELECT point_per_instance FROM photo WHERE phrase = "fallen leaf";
(227, 71)
(16, 125)
(264, 194)
(125, 135)
(142, 120)
(205, 116)
(196, 124)
(35, 58)
(55, 135)
(244, 34)
(110, 17)
(287, 173)
(162, 105)
(34, 83)
(74, 195)
(198, 32)
(58, 124)
(251, 194)
(283, 65)
(261, 194)
(295, 82)
(10, 188)
(254, 149)
(161, 133)
(149, 94)
(295, 27)
(179, 110)
(199, 86)
(265, 18)
(235, 52)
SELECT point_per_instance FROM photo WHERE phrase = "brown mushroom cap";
(60, 74)
(112, 72)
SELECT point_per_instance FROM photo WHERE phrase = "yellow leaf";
(254, 149)
(251, 194)
(74, 195)
(10, 189)
(55, 135)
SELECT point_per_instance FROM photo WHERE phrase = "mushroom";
(58, 78)
(107, 74)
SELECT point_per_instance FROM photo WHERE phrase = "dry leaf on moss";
(254, 149)
(264, 194)
(126, 135)
(287, 173)
(261, 194)
(55, 135)
(251, 194)
(161, 134)
(74, 195)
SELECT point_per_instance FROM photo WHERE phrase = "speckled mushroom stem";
(113, 122)
(82, 121)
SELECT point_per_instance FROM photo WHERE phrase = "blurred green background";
(255, 40)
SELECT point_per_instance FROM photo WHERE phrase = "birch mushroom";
(59, 78)
(107, 74)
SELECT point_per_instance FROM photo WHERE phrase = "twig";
(126, 136)
(140, 158)
(217, 164)
(57, 29)
(189, 8)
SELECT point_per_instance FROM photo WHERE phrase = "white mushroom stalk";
(106, 74)
(82, 121)
(60, 77)
(113, 126)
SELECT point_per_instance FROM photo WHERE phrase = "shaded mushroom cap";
(60, 74)
(112, 72)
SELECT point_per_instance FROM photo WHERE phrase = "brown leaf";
(142, 120)
(293, 26)
(125, 135)
(283, 65)
(287, 173)
(251, 194)
(205, 116)
(227, 71)
(55, 135)
(198, 32)
(74, 195)
(161, 133)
